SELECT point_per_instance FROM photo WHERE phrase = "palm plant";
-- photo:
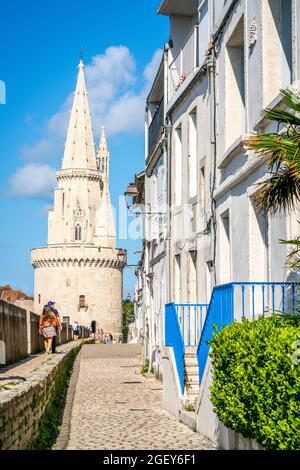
(281, 190)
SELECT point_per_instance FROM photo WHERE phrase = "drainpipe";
(168, 129)
(211, 64)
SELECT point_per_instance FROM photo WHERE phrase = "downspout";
(167, 147)
(211, 64)
(169, 209)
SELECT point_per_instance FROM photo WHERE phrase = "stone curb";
(63, 437)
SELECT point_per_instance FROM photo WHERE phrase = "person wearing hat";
(58, 327)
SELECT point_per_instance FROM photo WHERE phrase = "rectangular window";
(277, 47)
(178, 166)
(66, 320)
(235, 85)
(202, 187)
(209, 282)
(39, 298)
(259, 244)
(177, 279)
(225, 249)
(192, 277)
(203, 31)
(193, 154)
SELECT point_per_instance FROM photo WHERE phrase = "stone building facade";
(223, 64)
(81, 269)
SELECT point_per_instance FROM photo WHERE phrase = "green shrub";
(145, 368)
(256, 382)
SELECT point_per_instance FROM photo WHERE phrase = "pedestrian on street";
(94, 325)
(76, 330)
(109, 339)
(58, 325)
(48, 322)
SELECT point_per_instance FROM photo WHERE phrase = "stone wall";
(63, 335)
(19, 333)
(13, 332)
(36, 343)
(23, 405)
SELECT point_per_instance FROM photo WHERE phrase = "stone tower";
(81, 269)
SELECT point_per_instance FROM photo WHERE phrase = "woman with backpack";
(48, 322)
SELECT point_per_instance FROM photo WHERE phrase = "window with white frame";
(225, 248)
(193, 153)
(178, 166)
(78, 232)
(235, 85)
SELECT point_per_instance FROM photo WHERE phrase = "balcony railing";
(155, 126)
(191, 325)
(191, 319)
(184, 64)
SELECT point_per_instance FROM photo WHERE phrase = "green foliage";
(281, 191)
(50, 423)
(190, 407)
(128, 317)
(256, 383)
(145, 368)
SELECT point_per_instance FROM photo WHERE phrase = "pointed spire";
(103, 155)
(103, 148)
(105, 220)
(80, 147)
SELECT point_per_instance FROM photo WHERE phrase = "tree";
(128, 317)
(281, 191)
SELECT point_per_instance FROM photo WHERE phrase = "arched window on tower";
(78, 232)
(103, 165)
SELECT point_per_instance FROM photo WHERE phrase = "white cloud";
(116, 102)
(33, 180)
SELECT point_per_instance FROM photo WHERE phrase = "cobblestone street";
(115, 407)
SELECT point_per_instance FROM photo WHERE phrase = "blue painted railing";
(220, 313)
(191, 318)
(240, 300)
(194, 324)
(174, 339)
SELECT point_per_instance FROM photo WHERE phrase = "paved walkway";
(115, 407)
(22, 370)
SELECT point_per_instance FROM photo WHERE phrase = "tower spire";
(80, 149)
(103, 156)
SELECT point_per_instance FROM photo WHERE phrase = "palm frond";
(282, 117)
(293, 258)
(291, 99)
(281, 192)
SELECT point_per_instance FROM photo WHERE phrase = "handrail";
(173, 339)
(191, 318)
(228, 304)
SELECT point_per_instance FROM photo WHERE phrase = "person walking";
(48, 322)
(109, 339)
(76, 330)
(58, 325)
(94, 326)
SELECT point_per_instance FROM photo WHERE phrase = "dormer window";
(78, 232)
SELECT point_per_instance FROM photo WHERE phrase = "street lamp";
(122, 256)
(130, 192)
(133, 192)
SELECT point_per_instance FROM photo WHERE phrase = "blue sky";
(40, 47)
